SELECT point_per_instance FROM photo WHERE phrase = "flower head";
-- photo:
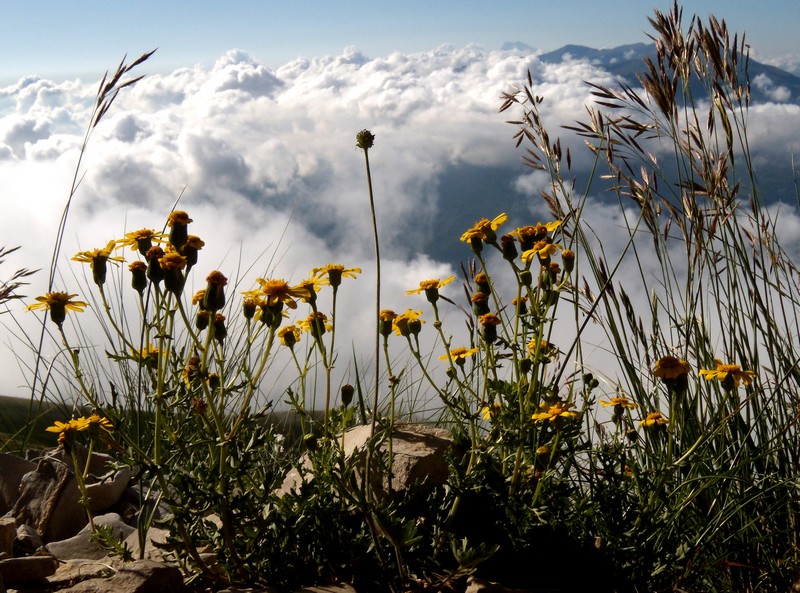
(178, 220)
(555, 411)
(622, 402)
(730, 375)
(289, 335)
(141, 240)
(335, 273)
(279, 291)
(316, 324)
(431, 288)
(669, 367)
(403, 323)
(484, 230)
(97, 259)
(386, 319)
(654, 420)
(67, 431)
(58, 303)
(96, 422)
(491, 411)
(543, 249)
(459, 355)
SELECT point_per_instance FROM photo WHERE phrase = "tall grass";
(673, 468)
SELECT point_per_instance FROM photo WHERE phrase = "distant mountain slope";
(768, 83)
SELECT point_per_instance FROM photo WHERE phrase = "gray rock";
(419, 453)
(155, 536)
(28, 539)
(140, 576)
(71, 572)
(82, 546)
(29, 568)
(12, 468)
(8, 533)
(49, 499)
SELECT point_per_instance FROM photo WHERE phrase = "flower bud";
(202, 319)
(178, 221)
(214, 298)
(154, 271)
(365, 139)
(347, 392)
(568, 259)
(249, 306)
(386, 318)
(480, 303)
(508, 247)
(138, 276)
(220, 331)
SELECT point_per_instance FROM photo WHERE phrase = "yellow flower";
(730, 375)
(405, 323)
(654, 419)
(279, 291)
(96, 421)
(289, 335)
(58, 303)
(528, 235)
(484, 229)
(386, 319)
(313, 285)
(335, 273)
(543, 249)
(97, 259)
(316, 325)
(622, 402)
(460, 354)
(491, 411)
(555, 411)
(669, 367)
(141, 240)
(68, 430)
(427, 285)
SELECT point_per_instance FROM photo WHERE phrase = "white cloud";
(265, 160)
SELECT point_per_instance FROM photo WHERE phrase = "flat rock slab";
(139, 576)
(30, 568)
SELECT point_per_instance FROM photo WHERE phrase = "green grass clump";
(662, 456)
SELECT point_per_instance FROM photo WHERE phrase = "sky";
(249, 111)
(52, 38)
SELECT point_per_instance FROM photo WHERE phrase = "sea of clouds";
(265, 162)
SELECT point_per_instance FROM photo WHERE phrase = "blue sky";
(58, 39)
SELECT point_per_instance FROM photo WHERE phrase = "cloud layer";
(265, 160)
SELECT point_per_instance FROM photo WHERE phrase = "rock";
(8, 533)
(139, 576)
(340, 588)
(29, 568)
(419, 453)
(12, 468)
(72, 572)
(28, 539)
(154, 537)
(40, 493)
(49, 499)
(476, 585)
(82, 546)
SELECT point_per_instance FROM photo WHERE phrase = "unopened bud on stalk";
(568, 259)
(347, 392)
(365, 139)
(220, 331)
(138, 276)
(178, 222)
(214, 298)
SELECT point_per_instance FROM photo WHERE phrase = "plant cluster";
(670, 464)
